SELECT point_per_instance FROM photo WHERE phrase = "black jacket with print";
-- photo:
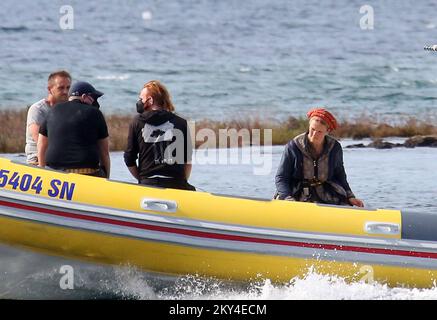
(161, 142)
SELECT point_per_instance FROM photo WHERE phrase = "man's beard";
(60, 99)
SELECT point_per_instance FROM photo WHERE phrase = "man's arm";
(34, 119)
(131, 152)
(105, 160)
(187, 169)
(188, 149)
(134, 171)
(34, 131)
(42, 144)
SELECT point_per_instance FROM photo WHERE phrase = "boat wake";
(130, 283)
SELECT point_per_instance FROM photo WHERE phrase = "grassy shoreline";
(12, 129)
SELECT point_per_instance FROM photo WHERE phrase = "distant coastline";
(12, 129)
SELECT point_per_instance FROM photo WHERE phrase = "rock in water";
(380, 144)
(421, 141)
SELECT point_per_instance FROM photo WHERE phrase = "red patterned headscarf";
(325, 115)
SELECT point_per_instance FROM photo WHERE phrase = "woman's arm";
(284, 173)
(340, 176)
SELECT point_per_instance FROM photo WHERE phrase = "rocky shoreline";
(415, 141)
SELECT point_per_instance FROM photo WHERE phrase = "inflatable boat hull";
(181, 232)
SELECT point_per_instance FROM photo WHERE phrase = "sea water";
(229, 58)
(395, 178)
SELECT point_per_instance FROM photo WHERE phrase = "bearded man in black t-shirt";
(74, 137)
(160, 141)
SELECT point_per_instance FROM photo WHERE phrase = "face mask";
(140, 106)
(96, 104)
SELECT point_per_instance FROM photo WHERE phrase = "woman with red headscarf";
(311, 167)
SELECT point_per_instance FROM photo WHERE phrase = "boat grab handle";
(159, 205)
(381, 228)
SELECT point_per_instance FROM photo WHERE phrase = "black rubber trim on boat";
(419, 226)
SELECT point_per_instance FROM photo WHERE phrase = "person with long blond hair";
(159, 141)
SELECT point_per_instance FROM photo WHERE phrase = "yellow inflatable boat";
(182, 232)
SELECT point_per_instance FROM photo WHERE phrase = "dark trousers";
(168, 183)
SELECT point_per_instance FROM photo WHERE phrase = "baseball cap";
(81, 87)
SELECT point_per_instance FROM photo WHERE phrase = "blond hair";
(160, 95)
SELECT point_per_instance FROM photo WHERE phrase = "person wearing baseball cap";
(311, 167)
(81, 89)
(74, 138)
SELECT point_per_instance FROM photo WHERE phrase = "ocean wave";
(245, 69)
(146, 15)
(121, 77)
(14, 29)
